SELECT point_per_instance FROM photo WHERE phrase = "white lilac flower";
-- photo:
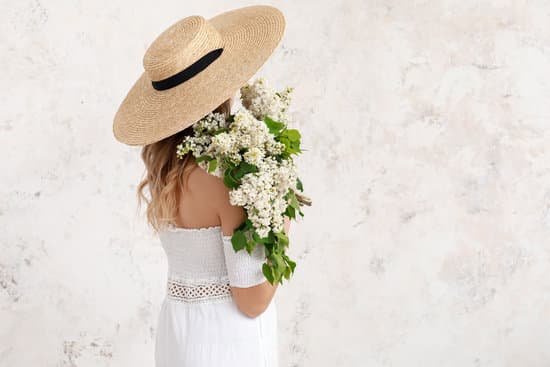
(210, 123)
(262, 194)
(286, 176)
(248, 138)
(223, 144)
(262, 101)
(274, 147)
(254, 155)
(250, 131)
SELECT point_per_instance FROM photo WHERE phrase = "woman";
(219, 309)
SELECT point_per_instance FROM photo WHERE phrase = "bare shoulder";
(212, 191)
(204, 185)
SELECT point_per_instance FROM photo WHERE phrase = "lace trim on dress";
(192, 293)
(174, 228)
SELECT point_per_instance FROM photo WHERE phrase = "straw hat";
(192, 68)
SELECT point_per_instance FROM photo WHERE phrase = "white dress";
(199, 324)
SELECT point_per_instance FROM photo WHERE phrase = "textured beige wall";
(428, 155)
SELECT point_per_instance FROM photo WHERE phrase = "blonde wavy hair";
(165, 175)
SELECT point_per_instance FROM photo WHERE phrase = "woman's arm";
(252, 298)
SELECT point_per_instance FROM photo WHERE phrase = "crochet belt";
(194, 293)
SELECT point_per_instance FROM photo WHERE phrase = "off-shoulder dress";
(199, 324)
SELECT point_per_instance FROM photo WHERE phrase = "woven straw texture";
(248, 36)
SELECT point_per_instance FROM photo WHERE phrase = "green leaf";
(291, 263)
(280, 263)
(203, 158)
(268, 273)
(259, 239)
(290, 212)
(276, 273)
(299, 185)
(229, 180)
(228, 162)
(212, 165)
(292, 146)
(250, 245)
(293, 200)
(283, 238)
(274, 126)
(248, 224)
(293, 135)
(288, 272)
(238, 240)
(243, 169)
(269, 245)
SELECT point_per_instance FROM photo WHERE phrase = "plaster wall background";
(428, 161)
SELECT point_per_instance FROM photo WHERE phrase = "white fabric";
(244, 269)
(199, 324)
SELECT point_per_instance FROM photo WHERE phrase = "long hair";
(166, 175)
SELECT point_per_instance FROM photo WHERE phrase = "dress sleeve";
(243, 269)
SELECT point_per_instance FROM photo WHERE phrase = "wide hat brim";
(249, 34)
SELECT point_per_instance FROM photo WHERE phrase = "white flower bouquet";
(253, 150)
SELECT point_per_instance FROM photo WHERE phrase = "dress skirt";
(215, 334)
